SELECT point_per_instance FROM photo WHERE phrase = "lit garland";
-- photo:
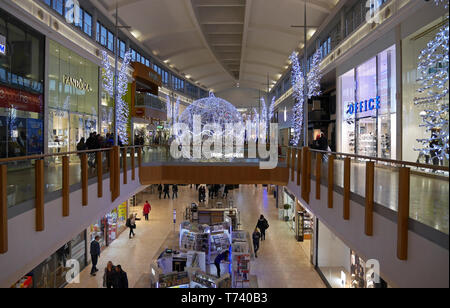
(298, 90)
(434, 77)
(123, 110)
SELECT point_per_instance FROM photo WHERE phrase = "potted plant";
(286, 209)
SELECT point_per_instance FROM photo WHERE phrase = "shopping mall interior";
(218, 144)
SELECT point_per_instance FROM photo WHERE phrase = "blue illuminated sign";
(364, 106)
(2, 45)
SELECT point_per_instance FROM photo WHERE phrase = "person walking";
(256, 236)
(166, 191)
(109, 276)
(174, 191)
(221, 257)
(120, 278)
(160, 190)
(95, 254)
(262, 225)
(146, 210)
(131, 223)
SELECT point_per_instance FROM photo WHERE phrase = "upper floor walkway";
(41, 194)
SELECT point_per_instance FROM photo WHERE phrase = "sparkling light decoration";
(298, 85)
(212, 110)
(433, 72)
(272, 109)
(298, 90)
(122, 88)
(169, 109)
(314, 76)
(177, 110)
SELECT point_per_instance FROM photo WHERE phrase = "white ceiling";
(219, 43)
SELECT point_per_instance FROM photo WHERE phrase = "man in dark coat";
(95, 254)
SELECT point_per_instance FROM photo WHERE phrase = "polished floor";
(282, 262)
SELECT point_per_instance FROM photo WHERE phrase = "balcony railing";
(401, 186)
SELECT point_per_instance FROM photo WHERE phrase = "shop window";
(111, 41)
(87, 24)
(368, 103)
(411, 113)
(58, 6)
(77, 106)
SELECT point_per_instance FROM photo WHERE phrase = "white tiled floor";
(282, 261)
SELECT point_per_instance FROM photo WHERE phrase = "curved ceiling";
(221, 44)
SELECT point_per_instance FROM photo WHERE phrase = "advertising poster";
(35, 136)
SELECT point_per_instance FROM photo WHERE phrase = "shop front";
(109, 227)
(367, 98)
(340, 267)
(21, 88)
(72, 98)
(289, 209)
(415, 115)
(147, 108)
(51, 273)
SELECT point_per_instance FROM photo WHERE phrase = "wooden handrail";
(386, 160)
(41, 156)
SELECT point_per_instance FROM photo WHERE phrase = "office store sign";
(364, 106)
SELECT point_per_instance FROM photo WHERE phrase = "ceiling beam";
(320, 5)
(182, 51)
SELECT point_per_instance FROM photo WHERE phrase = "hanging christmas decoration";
(122, 88)
(433, 72)
(298, 90)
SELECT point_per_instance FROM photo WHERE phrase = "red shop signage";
(20, 100)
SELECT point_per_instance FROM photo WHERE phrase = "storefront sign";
(364, 106)
(2, 45)
(77, 83)
(20, 100)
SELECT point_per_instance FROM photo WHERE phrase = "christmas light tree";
(433, 72)
(123, 111)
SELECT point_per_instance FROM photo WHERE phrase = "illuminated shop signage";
(2, 45)
(77, 83)
(364, 106)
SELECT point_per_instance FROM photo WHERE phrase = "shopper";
(146, 210)
(95, 254)
(221, 257)
(109, 276)
(131, 223)
(174, 191)
(166, 191)
(120, 278)
(256, 237)
(160, 190)
(262, 225)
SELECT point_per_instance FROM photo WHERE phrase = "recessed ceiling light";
(135, 33)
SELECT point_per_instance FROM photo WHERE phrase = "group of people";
(114, 276)
(214, 191)
(166, 190)
(259, 234)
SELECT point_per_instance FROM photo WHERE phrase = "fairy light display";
(433, 72)
(123, 110)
